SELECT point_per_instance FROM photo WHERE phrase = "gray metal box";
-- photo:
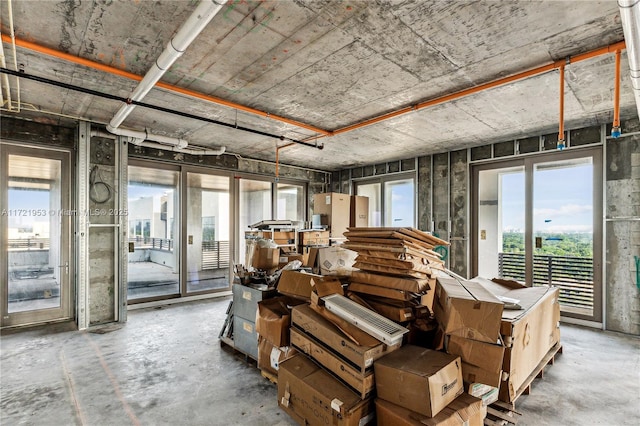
(245, 300)
(245, 338)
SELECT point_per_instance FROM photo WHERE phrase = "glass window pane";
(153, 268)
(372, 190)
(399, 203)
(255, 205)
(208, 223)
(290, 199)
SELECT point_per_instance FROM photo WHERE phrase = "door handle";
(65, 266)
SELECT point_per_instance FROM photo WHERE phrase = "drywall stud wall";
(458, 251)
(441, 197)
(424, 220)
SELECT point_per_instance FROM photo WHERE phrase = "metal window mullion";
(122, 241)
(528, 220)
(82, 229)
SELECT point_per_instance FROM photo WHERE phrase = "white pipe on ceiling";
(630, 15)
(191, 28)
(170, 144)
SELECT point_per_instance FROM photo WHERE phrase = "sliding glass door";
(538, 220)
(391, 200)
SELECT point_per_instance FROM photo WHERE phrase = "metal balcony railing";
(26, 244)
(572, 275)
(164, 244)
(215, 254)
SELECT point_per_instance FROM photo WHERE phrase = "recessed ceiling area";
(324, 65)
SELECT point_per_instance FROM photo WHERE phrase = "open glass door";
(36, 251)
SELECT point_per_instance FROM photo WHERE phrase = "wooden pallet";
(538, 372)
(273, 379)
(501, 413)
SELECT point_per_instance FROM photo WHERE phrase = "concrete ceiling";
(329, 64)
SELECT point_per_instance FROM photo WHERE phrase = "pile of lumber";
(397, 270)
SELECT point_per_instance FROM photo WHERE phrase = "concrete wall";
(622, 176)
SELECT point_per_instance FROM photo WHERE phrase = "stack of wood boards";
(397, 269)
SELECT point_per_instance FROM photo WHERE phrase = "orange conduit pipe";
(278, 148)
(561, 143)
(170, 87)
(615, 129)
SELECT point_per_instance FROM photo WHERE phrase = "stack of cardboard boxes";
(330, 371)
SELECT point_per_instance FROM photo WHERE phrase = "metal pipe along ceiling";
(193, 26)
(630, 15)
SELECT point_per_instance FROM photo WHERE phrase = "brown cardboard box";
(296, 284)
(466, 410)
(270, 357)
(311, 396)
(419, 379)
(324, 286)
(336, 260)
(394, 313)
(414, 285)
(361, 383)
(529, 333)
(359, 211)
(313, 238)
(481, 361)
(274, 319)
(289, 257)
(280, 237)
(314, 324)
(467, 309)
(337, 207)
(265, 258)
(374, 290)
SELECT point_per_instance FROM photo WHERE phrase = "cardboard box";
(246, 298)
(313, 238)
(270, 357)
(324, 286)
(336, 260)
(361, 383)
(419, 379)
(466, 410)
(481, 361)
(314, 324)
(374, 290)
(289, 257)
(311, 396)
(394, 313)
(467, 309)
(337, 208)
(414, 285)
(280, 237)
(274, 319)
(359, 216)
(529, 333)
(296, 284)
(487, 394)
(265, 258)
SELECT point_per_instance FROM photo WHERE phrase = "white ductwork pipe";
(192, 27)
(630, 15)
(168, 144)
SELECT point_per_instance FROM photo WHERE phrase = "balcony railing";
(164, 244)
(26, 244)
(572, 275)
(215, 254)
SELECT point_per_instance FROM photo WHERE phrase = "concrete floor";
(166, 366)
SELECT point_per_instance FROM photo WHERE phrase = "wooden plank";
(505, 406)
(526, 386)
(501, 415)
(382, 241)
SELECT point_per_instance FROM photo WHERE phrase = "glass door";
(154, 257)
(538, 220)
(207, 229)
(35, 223)
(255, 201)
(399, 207)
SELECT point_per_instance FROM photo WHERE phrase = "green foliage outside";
(572, 244)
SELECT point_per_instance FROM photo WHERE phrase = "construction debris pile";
(376, 330)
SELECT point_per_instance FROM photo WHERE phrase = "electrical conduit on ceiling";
(177, 145)
(193, 26)
(630, 16)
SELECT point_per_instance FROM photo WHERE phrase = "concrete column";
(622, 233)
(459, 212)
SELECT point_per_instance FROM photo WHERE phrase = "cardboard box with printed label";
(419, 379)
(359, 211)
(466, 309)
(311, 396)
(528, 333)
(336, 260)
(337, 208)
(361, 354)
(270, 357)
(313, 238)
(465, 410)
(361, 383)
